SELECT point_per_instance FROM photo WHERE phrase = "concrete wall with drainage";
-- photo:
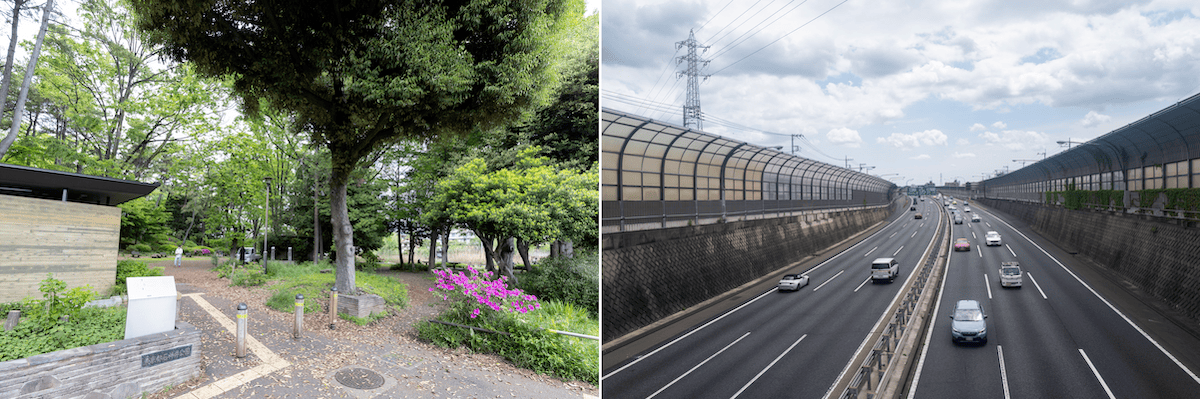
(651, 274)
(1160, 255)
(116, 370)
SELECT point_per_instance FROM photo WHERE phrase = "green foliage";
(1147, 198)
(362, 321)
(57, 302)
(132, 268)
(88, 326)
(526, 346)
(248, 277)
(1184, 199)
(143, 222)
(143, 248)
(571, 280)
(306, 278)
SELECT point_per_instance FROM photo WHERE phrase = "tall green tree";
(366, 74)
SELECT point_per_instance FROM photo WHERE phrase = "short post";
(299, 316)
(272, 252)
(289, 254)
(332, 307)
(241, 330)
(14, 316)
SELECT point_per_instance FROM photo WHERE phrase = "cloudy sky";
(931, 91)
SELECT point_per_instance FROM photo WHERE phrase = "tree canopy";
(361, 75)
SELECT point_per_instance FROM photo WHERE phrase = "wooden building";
(62, 223)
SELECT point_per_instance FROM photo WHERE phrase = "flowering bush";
(480, 288)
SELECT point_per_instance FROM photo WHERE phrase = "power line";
(714, 16)
(754, 32)
(781, 37)
(715, 39)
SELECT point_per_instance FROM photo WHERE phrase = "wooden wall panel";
(77, 242)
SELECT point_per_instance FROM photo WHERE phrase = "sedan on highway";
(962, 244)
(974, 217)
(957, 218)
(969, 324)
(992, 238)
(792, 282)
(918, 216)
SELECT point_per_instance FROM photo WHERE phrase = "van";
(884, 269)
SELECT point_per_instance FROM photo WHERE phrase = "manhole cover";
(359, 378)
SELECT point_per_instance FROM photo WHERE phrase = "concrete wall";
(648, 275)
(1160, 255)
(115, 370)
(77, 242)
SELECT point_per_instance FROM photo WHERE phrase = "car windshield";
(880, 266)
(789, 277)
(968, 315)
(1011, 271)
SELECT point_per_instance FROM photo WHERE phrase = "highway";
(1055, 337)
(782, 344)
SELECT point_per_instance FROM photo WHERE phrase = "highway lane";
(1052, 338)
(778, 341)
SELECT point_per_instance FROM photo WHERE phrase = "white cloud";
(1094, 118)
(1016, 140)
(844, 136)
(910, 141)
(963, 155)
(999, 125)
(963, 142)
(920, 157)
(977, 127)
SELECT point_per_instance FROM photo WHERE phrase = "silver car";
(792, 282)
(969, 322)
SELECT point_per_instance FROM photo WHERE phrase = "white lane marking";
(914, 234)
(862, 284)
(979, 252)
(697, 366)
(989, 224)
(1035, 284)
(760, 373)
(973, 235)
(869, 252)
(894, 234)
(897, 250)
(937, 306)
(830, 279)
(689, 333)
(988, 284)
(760, 296)
(882, 318)
(1010, 250)
(1110, 305)
(1097, 373)
(1003, 374)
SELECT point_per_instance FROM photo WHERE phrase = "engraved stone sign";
(157, 358)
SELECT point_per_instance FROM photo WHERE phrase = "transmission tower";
(691, 106)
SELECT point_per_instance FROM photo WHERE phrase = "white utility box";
(151, 305)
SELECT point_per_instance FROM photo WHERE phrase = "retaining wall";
(77, 242)
(652, 274)
(1159, 255)
(117, 370)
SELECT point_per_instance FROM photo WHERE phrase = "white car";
(1010, 274)
(966, 209)
(793, 282)
(992, 238)
(974, 217)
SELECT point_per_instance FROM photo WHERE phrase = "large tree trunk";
(20, 107)
(563, 248)
(412, 247)
(433, 248)
(523, 249)
(505, 260)
(399, 245)
(445, 248)
(343, 231)
(316, 226)
(488, 251)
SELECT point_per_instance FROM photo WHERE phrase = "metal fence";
(1160, 151)
(656, 175)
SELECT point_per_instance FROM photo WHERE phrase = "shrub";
(142, 248)
(573, 280)
(40, 330)
(248, 277)
(306, 278)
(479, 290)
(132, 268)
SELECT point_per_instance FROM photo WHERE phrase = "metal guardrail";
(873, 374)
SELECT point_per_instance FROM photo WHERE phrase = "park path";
(382, 360)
